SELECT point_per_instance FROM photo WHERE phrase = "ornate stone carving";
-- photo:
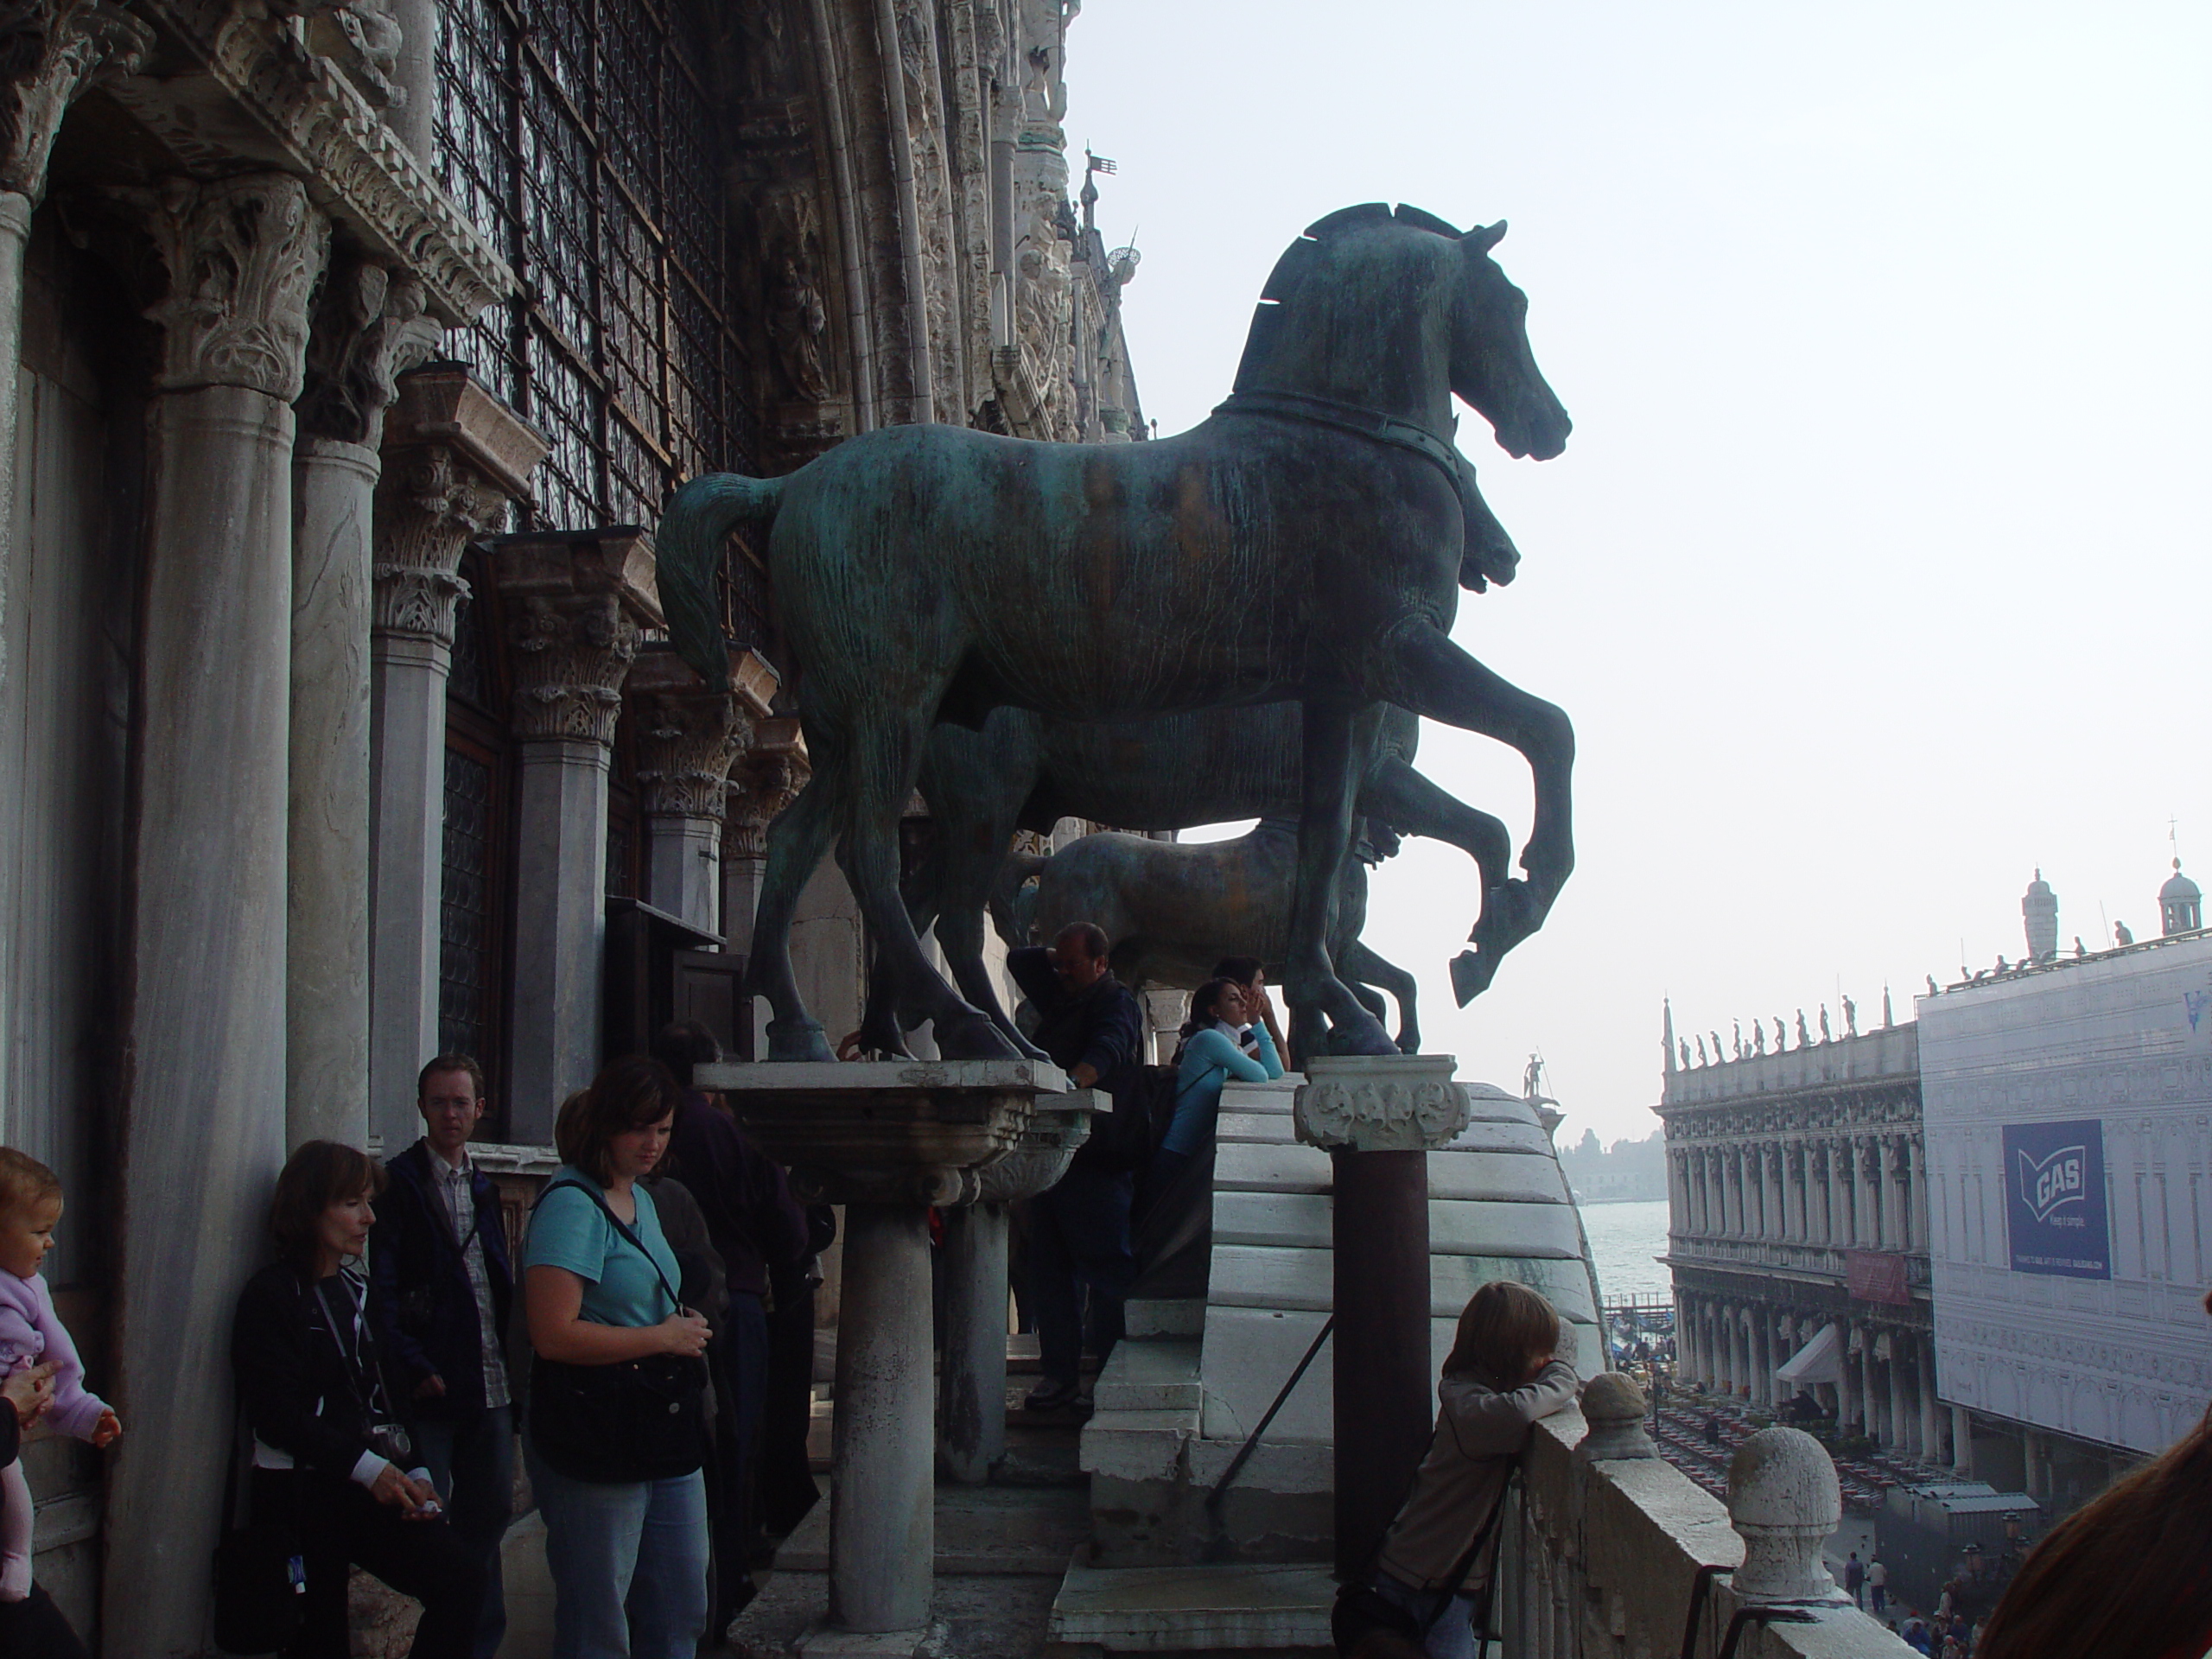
(569, 657)
(1398, 1102)
(369, 328)
(295, 109)
(429, 504)
(242, 256)
(688, 735)
(51, 50)
(574, 605)
(767, 779)
(1056, 1130)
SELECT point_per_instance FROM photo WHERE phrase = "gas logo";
(2056, 1180)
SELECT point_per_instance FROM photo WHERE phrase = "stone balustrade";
(1606, 1546)
(1781, 1255)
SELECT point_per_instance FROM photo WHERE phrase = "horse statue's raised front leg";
(1311, 984)
(1434, 677)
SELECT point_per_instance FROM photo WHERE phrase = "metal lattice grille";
(466, 964)
(584, 142)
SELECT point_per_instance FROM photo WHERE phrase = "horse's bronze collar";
(1351, 418)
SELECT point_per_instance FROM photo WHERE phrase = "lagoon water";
(1624, 1239)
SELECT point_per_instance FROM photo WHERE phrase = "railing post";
(1784, 1501)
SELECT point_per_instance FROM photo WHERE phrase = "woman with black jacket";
(332, 1454)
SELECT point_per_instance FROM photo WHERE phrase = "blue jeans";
(1452, 1633)
(628, 1562)
(1078, 1241)
(471, 1458)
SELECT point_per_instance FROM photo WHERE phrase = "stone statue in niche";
(796, 322)
(934, 572)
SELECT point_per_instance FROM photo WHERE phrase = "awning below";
(1816, 1362)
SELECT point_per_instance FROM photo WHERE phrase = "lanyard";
(358, 1365)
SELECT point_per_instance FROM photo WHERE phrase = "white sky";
(1874, 574)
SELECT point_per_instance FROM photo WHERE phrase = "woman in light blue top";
(1212, 1052)
(628, 1559)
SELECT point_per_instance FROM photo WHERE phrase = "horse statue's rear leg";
(797, 840)
(1360, 965)
(1311, 985)
(1409, 802)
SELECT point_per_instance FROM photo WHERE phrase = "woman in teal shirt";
(1212, 1052)
(628, 1559)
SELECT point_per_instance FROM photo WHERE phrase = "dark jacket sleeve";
(398, 1210)
(278, 1380)
(1030, 967)
(1116, 1030)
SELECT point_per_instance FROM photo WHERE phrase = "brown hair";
(629, 1094)
(1505, 1330)
(2126, 1574)
(23, 1179)
(321, 1174)
(450, 1062)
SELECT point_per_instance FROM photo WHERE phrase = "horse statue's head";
(1399, 311)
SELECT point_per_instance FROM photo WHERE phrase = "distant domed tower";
(2040, 909)
(2181, 904)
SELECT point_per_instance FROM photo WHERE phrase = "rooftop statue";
(1701, 1051)
(1804, 1036)
(932, 572)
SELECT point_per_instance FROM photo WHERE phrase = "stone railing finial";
(1784, 1501)
(1614, 1406)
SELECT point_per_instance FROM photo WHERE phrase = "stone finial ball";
(1783, 1477)
(1613, 1396)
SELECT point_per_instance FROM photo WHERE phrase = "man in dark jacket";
(1078, 1238)
(443, 1286)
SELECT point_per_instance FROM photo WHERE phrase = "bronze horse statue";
(1025, 771)
(1170, 910)
(1302, 544)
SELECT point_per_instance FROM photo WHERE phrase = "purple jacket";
(30, 1334)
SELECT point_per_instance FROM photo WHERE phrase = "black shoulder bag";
(615, 1425)
(1361, 1610)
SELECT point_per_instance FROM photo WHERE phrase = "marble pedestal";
(888, 1141)
(1379, 1116)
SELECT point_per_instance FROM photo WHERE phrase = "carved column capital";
(242, 257)
(767, 779)
(52, 50)
(369, 327)
(1396, 1103)
(688, 735)
(453, 457)
(575, 602)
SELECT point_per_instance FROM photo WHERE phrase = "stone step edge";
(1155, 1610)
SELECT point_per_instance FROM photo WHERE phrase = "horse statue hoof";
(974, 1037)
(1363, 1036)
(798, 1039)
(1470, 976)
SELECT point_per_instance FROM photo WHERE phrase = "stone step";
(1248, 1275)
(979, 1529)
(1490, 1177)
(1456, 1226)
(1159, 1376)
(1149, 1319)
(1191, 1609)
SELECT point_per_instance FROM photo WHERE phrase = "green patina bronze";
(1304, 544)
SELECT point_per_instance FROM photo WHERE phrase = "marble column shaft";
(687, 738)
(971, 1429)
(1962, 1442)
(1846, 1387)
(453, 457)
(1930, 1425)
(203, 1117)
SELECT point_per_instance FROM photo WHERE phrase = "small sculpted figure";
(1718, 1052)
(1686, 1053)
(1739, 1039)
(2120, 935)
(1781, 1035)
(1851, 1017)
(1825, 1036)
(1758, 1038)
(1932, 991)
(1700, 1052)
(1804, 1036)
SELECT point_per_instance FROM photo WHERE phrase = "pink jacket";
(29, 1333)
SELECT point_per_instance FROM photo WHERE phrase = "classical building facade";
(346, 353)
(1798, 1228)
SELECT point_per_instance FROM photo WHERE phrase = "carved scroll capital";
(430, 504)
(575, 603)
(242, 257)
(50, 51)
(1401, 1102)
(369, 327)
(688, 735)
(766, 779)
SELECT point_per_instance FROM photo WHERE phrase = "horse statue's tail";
(1013, 899)
(698, 517)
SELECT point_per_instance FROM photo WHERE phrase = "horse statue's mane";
(1302, 257)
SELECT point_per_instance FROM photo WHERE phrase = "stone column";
(453, 458)
(1869, 1400)
(1905, 1428)
(1962, 1442)
(202, 1115)
(1864, 1233)
(882, 1533)
(574, 602)
(1379, 1118)
(687, 737)
(1930, 1425)
(366, 328)
(1793, 1193)
(1730, 1209)
(55, 52)
(1773, 1227)
(1839, 1199)
(1846, 1386)
(1917, 1236)
(767, 779)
